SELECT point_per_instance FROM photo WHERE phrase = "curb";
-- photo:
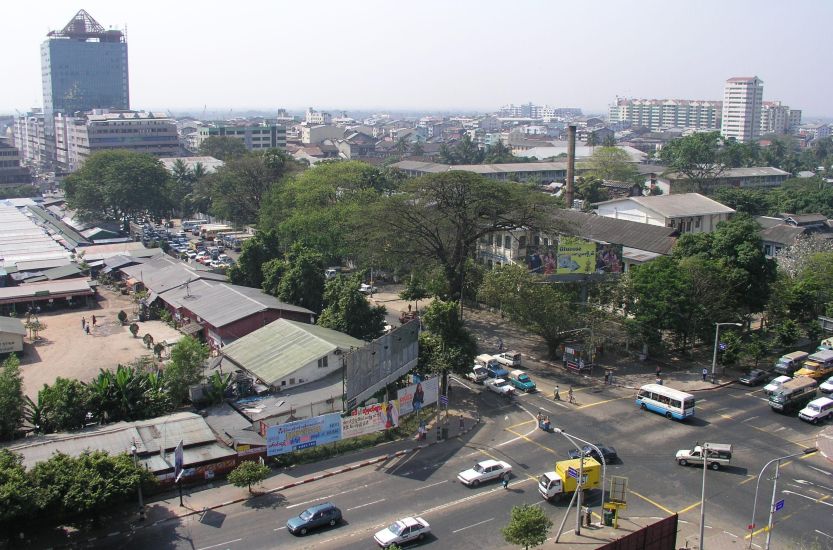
(356, 466)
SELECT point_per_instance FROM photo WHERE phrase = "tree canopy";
(697, 157)
(185, 367)
(528, 526)
(115, 185)
(348, 311)
(224, 148)
(612, 164)
(12, 402)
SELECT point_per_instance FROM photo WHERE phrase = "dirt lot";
(65, 350)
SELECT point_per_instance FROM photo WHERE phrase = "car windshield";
(396, 528)
(814, 408)
(305, 515)
(478, 468)
(523, 378)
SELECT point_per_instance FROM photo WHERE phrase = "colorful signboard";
(303, 434)
(575, 256)
(370, 419)
(414, 397)
(609, 258)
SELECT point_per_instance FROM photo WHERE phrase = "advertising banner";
(414, 397)
(609, 258)
(303, 434)
(370, 419)
(575, 256)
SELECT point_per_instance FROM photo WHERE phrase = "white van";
(817, 410)
(486, 360)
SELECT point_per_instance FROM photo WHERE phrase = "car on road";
(608, 453)
(521, 381)
(817, 410)
(827, 386)
(367, 289)
(477, 374)
(754, 377)
(313, 518)
(487, 470)
(402, 531)
(499, 386)
(776, 383)
(719, 454)
(496, 370)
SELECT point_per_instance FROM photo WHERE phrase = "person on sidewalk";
(555, 395)
(462, 423)
(83, 323)
(705, 373)
(607, 377)
(94, 321)
(570, 397)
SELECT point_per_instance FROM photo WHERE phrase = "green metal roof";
(280, 348)
(70, 270)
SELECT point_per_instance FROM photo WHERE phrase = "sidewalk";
(200, 499)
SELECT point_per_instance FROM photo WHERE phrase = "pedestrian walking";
(607, 377)
(705, 373)
(570, 395)
(500, 344)
(83, 323)
(659, 371)
(462, 423)
(506, 480)
(94, 321)
(555, 395)
(87, 329)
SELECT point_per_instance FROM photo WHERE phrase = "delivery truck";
(562, 482)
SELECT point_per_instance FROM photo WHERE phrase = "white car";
(487, 470)
(499, 386)
(478, 374)
(402, 531)
(776, 383)
(367, 289)
(827, 386)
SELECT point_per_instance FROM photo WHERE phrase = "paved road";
(425, 482)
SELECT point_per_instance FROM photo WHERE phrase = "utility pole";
(705, 453)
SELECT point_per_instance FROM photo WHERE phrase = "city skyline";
(438, 57)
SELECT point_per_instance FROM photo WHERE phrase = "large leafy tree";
(114, 185)
(302, 283)
(223, 147)
(18, 498)
(185, 367)
(64, 405)
(697, 157)
(499, 153)
(12, 402)
(348, 311)
(438, 219)
(611, 164)
(248, 473)
(446, 345)
(528, 526)
(257, 252)
(240, 186)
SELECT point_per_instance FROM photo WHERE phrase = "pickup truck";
(477, 374)
(509, 358)
(499, 386)
(719, 454)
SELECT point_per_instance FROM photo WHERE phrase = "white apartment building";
(256, 137)
(661, 114)
(314, 117)
(742, 103)
(30, 137)
(775, 118)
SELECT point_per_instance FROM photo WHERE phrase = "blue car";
(313, 518)
(497, 371)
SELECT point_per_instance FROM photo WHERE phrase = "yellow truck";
(562, 482)
(817, 366)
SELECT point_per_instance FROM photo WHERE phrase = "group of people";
(86, 327)
(556, 394)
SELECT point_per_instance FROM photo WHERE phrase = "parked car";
(487, 470)
(367, 289)
(499, 386)
(313, 518)
(754, 377)
(402, 531)
(608, 453)
(192, 255)
(817, 410)
(495, 370)
(827, 386)
(521, 381)
(776, 383)
(477, 374)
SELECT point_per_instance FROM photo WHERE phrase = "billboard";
(575, 256)
(370, 419)
(371, 368)
(303, 434)
(609, 258)
(414, 397)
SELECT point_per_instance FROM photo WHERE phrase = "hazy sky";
(446, 54)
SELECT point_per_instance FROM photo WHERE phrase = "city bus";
(666, 401)
(190, 225)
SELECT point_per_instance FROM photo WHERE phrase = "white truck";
(509, 358)
(499, 386)
(477, 374)
(719, 454)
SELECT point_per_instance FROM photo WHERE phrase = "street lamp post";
(716, 340)
(139, 485)
(774, 485)
(704, 453)
(572, 439)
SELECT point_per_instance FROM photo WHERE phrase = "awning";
(191, 328)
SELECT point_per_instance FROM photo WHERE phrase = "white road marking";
(309, 502)
(221, 544)
(808, 498)
(825, 472)
(750, 418)
(280, 528)
(473, 525)
(432, 485)
(367, 504)
(825, 534)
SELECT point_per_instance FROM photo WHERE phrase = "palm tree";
(218, 384)
(35, 413)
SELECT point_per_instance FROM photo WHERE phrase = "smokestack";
(571, 164)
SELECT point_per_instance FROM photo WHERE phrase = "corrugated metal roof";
(675, 206)
(62, 272)
(640, 236)
(280, 348)
(52, 287)
(12, 325)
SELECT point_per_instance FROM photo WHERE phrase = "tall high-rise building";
(84, 67)
(742, 101)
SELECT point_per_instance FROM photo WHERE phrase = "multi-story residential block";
(30, 137)
(661, 114)
(11, 172)
(256, 137)
(76, 138)
(815, 131)
(319, 133)
(795, 119)
(775, 118)
(742, 103)
(315, 117)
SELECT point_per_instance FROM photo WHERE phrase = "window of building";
(291, 381)
(507, 241)
(322, 362)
